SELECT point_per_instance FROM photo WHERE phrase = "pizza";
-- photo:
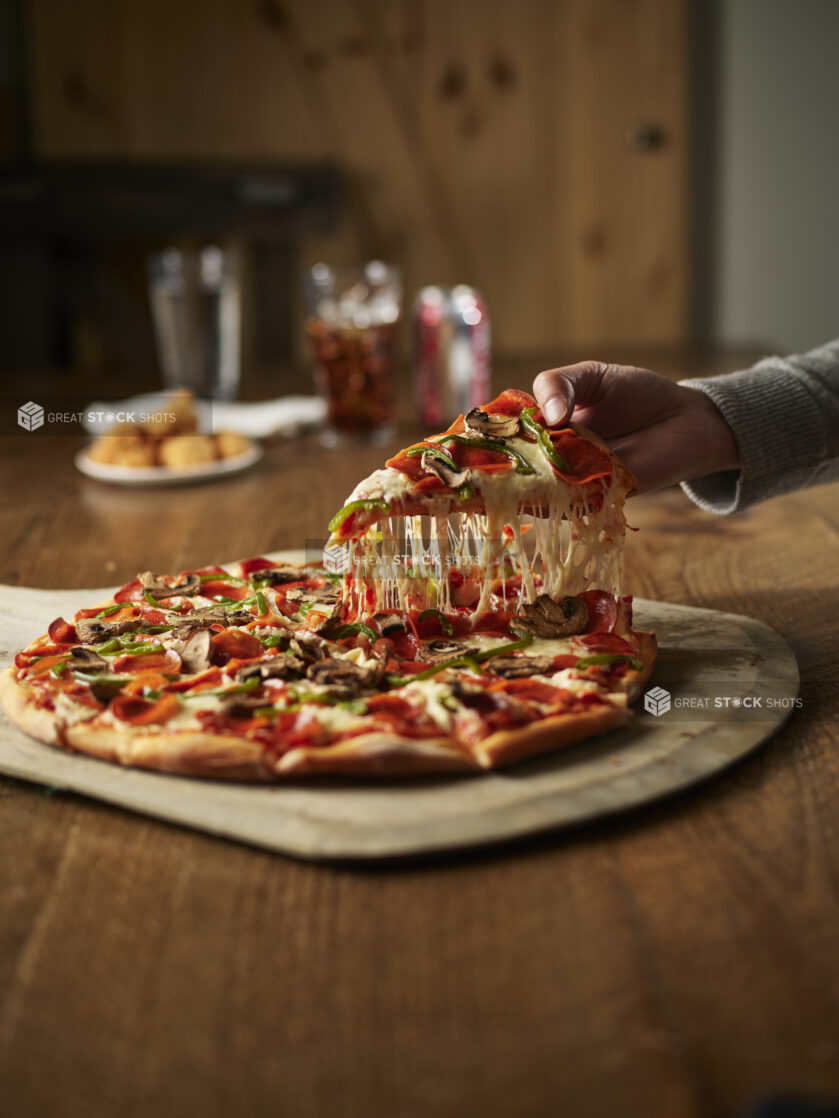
(469, 615)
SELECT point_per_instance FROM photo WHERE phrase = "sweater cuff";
(758, 404)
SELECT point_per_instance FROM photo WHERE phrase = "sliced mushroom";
(453, 478)
(152, 585)
(195, 655)
(211, 615)
(389, 623)
(91, 630)
(309, 647)
(484, 426)
(549, 618)
(86, 660)
(276, 576)
(518, 667)
(323, 595)
(278, 667)
(434, 652)
(342, 678)
(242, 706)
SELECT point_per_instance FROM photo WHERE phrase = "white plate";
(167, 475)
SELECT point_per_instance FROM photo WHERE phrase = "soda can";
(451, 352)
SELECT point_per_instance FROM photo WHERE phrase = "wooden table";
(677, 961)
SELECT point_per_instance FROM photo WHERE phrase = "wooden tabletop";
(678, 961)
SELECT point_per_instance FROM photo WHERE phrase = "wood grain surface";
(480, 141)
(678, 962)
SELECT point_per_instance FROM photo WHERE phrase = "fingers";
(558, 391)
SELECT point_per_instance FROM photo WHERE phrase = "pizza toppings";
(87, 660)
(155, 587)
(517, 667)
(546, 617)
(435, 462)
(195, 655)
(486, 426)
(90, 630)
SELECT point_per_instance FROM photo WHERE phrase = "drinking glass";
(196, 310)
(352, 323)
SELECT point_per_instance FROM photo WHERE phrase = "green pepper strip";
(607, 658)
(355, 706)
(522, 465)
(152, 600)
(368, 504)
(437, 615)
(466, 492)
(109, 610)
(273, 640)
(58, 670)
(462, 661)
(543, 439)
(115, 681)
(261, 603)
(435, 452)
(249, 685)
(232, 579)
(352, 629)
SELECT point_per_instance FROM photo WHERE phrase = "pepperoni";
(143, 712)
(607, 642)
(225, 589)
(248, 566)
(586, 460)
(390, 704)
(602, 610)
(511, 402)
(565, 660)
(207, 680)
(168, 661)
(531, 690)
(61, 632)
(154, 681)
(234, 643)
(46, 664)
(131, 592)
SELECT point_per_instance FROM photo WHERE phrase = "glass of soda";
(352, 322)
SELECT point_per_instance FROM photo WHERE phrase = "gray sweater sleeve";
(784, 413)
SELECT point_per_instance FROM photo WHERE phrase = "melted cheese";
(406, 562)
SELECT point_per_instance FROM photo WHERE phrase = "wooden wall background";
(485, 141)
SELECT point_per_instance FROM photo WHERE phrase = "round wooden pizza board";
(725, 684)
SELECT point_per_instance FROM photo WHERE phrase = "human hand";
(663, 432)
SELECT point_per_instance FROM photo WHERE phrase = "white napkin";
(284, 416)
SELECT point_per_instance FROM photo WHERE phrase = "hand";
(663, 432)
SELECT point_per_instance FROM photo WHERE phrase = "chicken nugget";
(186, 450)
(231, 444)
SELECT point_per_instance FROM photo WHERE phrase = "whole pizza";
(468, 615)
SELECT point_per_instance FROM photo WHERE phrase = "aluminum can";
(451, 353)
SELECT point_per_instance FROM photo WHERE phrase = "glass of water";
(195, 299)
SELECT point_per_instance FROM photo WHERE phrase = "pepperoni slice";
(143, 712)
(206, 681)
(61, 632)
(168, 661)
(586, 460)
(225, 589)
(511, 402)
(234, 643)
(131, 592)
(258, 563)
(46, 664)
(602, 610)
(607, 642)
(531, 690)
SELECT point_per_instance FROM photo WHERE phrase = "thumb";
(554, 393)
(558, 391)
